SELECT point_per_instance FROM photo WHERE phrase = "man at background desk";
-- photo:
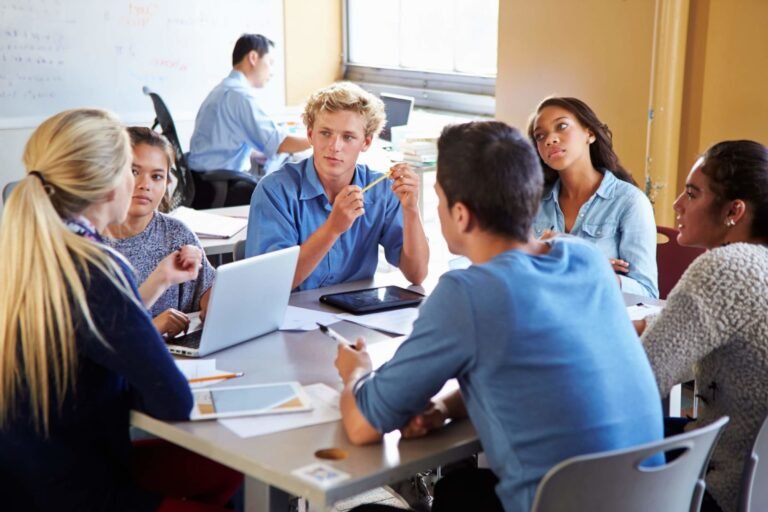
(337, 210)
(230, 124)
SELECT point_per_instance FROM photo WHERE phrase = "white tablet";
(228, 402)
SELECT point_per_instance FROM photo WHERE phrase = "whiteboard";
(60, 54)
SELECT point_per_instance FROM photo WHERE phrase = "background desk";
(218, 246)
(267, 461)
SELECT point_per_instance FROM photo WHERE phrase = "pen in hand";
(334, 335)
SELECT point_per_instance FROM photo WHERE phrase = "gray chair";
(754, 490)
(7, 189)
(238, 253)
(616, 480)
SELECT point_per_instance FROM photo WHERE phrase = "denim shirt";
(619, 219)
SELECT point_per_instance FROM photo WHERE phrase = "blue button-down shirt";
(229, 126)
(619, 219)
(290, 204)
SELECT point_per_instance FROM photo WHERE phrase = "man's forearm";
(356, 426)
(293, 144)
(414, 257)
(312, 251)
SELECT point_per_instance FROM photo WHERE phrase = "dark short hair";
(738, 169)
(495, 172)
(247, 42)
(601, 151)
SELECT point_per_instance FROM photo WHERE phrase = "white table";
(217, 246)
(267, 461)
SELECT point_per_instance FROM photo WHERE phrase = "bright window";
(442, 52)
(446, 36)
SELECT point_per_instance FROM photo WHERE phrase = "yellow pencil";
(223, 376)
(374, 182)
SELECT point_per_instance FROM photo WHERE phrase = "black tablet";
(373, 299)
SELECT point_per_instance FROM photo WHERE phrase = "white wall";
(60, 54)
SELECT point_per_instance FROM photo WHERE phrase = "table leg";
(675, 401)
(261, 497)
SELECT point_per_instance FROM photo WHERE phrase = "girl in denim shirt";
(590, 195)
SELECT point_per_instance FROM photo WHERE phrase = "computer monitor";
(398, 109)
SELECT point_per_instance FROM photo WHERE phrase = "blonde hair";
(73, 160)
(346, 96)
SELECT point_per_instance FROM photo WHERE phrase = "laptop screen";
(398, 109)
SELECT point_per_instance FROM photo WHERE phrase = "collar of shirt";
(605, 190)
(83, 227)
(311, 186)
(239, 78)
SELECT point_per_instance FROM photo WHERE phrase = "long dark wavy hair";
(600, 152)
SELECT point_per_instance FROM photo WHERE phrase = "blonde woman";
(319, 203)
(77, 348)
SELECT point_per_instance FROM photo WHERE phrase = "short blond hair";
(342, 96)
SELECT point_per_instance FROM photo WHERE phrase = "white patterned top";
(715, 324)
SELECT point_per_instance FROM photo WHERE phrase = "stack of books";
(421, 152)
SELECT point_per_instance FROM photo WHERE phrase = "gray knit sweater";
(715, 324)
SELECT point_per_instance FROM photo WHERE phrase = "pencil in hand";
(223, 376)
(377, 180)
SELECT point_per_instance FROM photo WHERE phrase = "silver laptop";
(249, 298)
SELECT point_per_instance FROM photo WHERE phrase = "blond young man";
(320, 205)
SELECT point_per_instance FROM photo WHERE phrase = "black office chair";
(199, 189)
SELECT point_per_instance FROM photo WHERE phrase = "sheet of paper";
(209, 225)
(200, 368)
(325, 408)
(395, 321)
(640, 311)
(194, 322)
(303, 319)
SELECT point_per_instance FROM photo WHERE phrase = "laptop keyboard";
(191, 340)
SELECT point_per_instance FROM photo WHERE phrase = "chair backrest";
(617, 480)
(754, 489)
(7, 189)
(672, 259)
(185, 190)
(238, 253)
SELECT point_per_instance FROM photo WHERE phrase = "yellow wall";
(602, 52)
(725, 90)
(594, 50)
(313, 49)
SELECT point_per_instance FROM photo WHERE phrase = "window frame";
(456, 92)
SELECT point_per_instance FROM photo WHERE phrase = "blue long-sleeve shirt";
(230, 125)
(85, 463)
(618, 218)
(547, 360)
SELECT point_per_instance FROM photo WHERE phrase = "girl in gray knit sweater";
(156, 243)
(715, 323)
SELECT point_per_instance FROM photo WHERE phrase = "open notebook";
(209, 225)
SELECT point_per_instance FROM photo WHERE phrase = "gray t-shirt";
(163, 235)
